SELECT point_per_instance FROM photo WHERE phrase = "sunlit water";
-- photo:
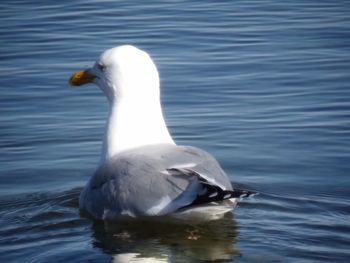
(262, 85)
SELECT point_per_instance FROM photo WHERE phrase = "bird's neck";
(134, 123)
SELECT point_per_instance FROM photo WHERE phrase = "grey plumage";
(154, 180)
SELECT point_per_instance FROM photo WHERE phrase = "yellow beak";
(81, 77)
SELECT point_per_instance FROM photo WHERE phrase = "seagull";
(142, 171)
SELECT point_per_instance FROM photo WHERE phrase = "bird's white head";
(129, 79)
(122, 72)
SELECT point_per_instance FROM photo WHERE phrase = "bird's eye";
(100, 67)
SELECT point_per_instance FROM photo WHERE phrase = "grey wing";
(156, 180)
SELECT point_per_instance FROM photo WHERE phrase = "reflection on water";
(162, 241)
(52, 221)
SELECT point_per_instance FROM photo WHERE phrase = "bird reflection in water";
(164, 241)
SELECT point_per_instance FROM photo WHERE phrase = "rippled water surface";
(262, 85)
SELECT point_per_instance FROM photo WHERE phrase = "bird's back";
(152, 180)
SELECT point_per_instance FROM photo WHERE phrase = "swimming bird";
(142, 171)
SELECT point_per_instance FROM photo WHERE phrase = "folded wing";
(156, 180)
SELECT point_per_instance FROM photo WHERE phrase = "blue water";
(261, 85)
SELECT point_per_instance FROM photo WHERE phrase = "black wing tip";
(238, 193)
(212, 193)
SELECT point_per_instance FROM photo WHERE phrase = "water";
(262, 85)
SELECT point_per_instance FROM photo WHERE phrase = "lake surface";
(261, 85)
